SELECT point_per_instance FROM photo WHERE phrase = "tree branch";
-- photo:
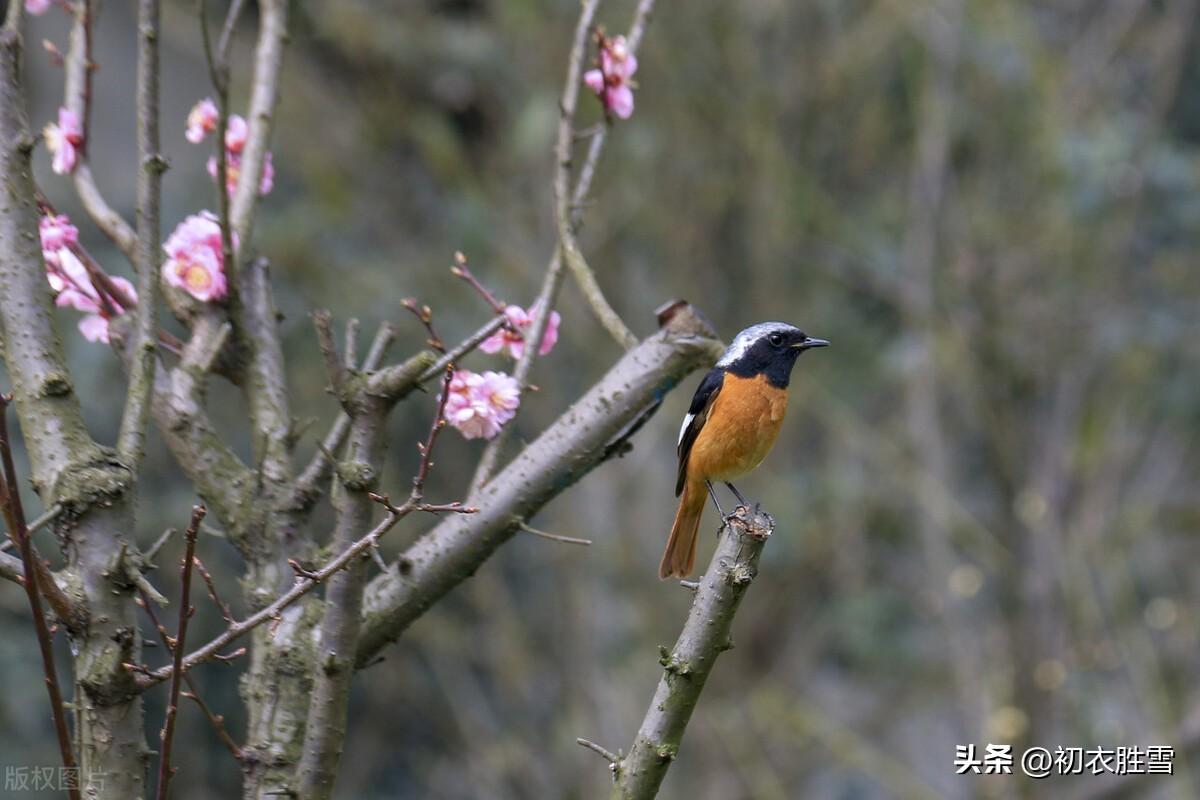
(264, 95)
(552, 282)
(142, 362)
(10, 499)
(78, 68)
(165, 773)
(325, 728)
(687, 666)
(572, 446)
(562, 188)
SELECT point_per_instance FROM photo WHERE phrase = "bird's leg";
(741, 500)
(713, 494)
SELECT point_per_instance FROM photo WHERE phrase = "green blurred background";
(987, 489)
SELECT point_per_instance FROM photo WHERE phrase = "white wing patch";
(687, 420)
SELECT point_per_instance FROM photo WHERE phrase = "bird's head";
(769, 348)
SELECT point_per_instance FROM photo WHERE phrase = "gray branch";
(585, 435)
(687, 666)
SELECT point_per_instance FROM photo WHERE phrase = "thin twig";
(571, 252)
(612, 758)
(424, 315)
(334, 366)
(136, 416)
(10, 499)
(306, 489)
(552, 536)
(460, 270)
(12, 22)
(46, 517)
(215, 720)
(231, 19)
(153, 550)
(221, 605)
(552, 282)
(165, 772)
(218, 75)
(78, 68)
(307, 580)
(467, 345)
(350, 344)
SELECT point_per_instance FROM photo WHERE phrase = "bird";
(731, 425)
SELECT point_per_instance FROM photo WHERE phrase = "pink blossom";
(233, 171)
(612, 80)
(201, 120)
(480, 404)
(37, 7)
(56, 233)
(236, 130)
(62, 140)
(195, 261)
(74, 287)
(522, 323)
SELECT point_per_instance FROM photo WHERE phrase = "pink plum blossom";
(233, 171)
(37, 7)
(195, 261)
(612, 80)
(522, 324)
(56, 233)
(201, 121)
(236, 130)
(479, 404)
(62, 140)
(74, 288)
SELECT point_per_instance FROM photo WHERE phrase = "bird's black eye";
(775, 339)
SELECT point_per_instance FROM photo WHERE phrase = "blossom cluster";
(71, 282)
(611, 80)
(479, 404)
(202, 120)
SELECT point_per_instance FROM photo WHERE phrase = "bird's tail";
(680, 556)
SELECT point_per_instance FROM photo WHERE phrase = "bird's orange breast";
(741, 428)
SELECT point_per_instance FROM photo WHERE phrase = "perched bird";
(730, 427)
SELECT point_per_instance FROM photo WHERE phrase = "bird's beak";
(810, 342)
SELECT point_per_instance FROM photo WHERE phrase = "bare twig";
(153, 550)
(609, 756)
(165, 772)
(221, 605)
(552, 536)
(571, 252)
(10, 499)
(306, 490)
(686, 667)
(264, 95)
(455, 354)
(335, 368)
(350, 343)
(231, 19)
(460, 270)
(46, 517)
(12, 22)
(552, 282)
(307, 581)
(424, 315)
(131, 438)
(78, 68)
(215, 720)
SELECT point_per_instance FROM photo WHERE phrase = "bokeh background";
(987, 490)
